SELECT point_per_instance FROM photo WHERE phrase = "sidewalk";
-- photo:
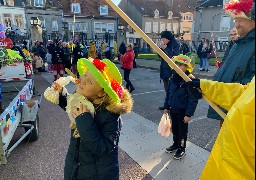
(153, 64)
(139, 139)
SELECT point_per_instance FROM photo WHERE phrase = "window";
(19, 20)
(75, 8)
(10, 2)
(162, 26)
(111, 28)
(225, 23)
(169, 27)
(148, 27)
(42, 22)
(7, 20)
(39, 2)
(187, 17)
(104, 27)
(104, 10)
(175, 28)
(54, 25)
(156, 14)
(84, 27)
(77, 26)
(97, 27)
(155, 27)
(70, 26)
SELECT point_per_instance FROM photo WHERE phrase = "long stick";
(160, 52)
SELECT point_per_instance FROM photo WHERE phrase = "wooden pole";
(160, 52)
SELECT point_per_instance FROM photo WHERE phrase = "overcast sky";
(116, 1)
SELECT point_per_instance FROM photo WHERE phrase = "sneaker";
(132, 89)
(207, 70)
(202, 70)
(180, 153)
(171, 148)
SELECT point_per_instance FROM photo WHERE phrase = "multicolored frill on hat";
(105, 73)
(239, 9)
(183, 59)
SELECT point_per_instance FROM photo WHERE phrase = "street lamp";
(120, 27)
(34, 21)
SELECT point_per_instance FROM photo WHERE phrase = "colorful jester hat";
(106, 74)
(239, 9)
(183, 59)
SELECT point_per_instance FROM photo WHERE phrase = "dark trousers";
(67, 65)
(166, 84)
(179, 129)
(134, 63)
(127, 78)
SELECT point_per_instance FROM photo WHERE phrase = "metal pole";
(73, 31)
(161, 53)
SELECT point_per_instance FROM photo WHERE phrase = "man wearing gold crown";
(239, 64)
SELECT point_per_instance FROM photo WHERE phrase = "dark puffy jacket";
(184, 48)
(199, 50)
(122, 49)
(93, 156)
(67, 54)
(239, 65)
(58, 55)
(172, 49)
(179, 98)
(77, 54)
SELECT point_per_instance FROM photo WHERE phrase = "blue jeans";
(201, 63)
(205, 63)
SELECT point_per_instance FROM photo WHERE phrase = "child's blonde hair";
(125, 106)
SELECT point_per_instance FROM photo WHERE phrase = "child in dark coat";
(93, 149)
(181, 105)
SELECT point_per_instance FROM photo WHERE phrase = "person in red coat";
(127, 65)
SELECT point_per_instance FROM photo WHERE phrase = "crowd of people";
(56, 56)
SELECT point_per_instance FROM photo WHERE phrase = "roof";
(147, 7)
(88, 7)
(185, 5)
(210, 3)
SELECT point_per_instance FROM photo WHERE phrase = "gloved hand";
(194, 88)
(195, 83)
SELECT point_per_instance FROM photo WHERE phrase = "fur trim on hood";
(125, 106)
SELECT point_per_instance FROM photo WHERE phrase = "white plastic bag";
(164, 127)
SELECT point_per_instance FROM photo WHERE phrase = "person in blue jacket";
(181, 105)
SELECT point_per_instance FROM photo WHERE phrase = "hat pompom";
(240, 8)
